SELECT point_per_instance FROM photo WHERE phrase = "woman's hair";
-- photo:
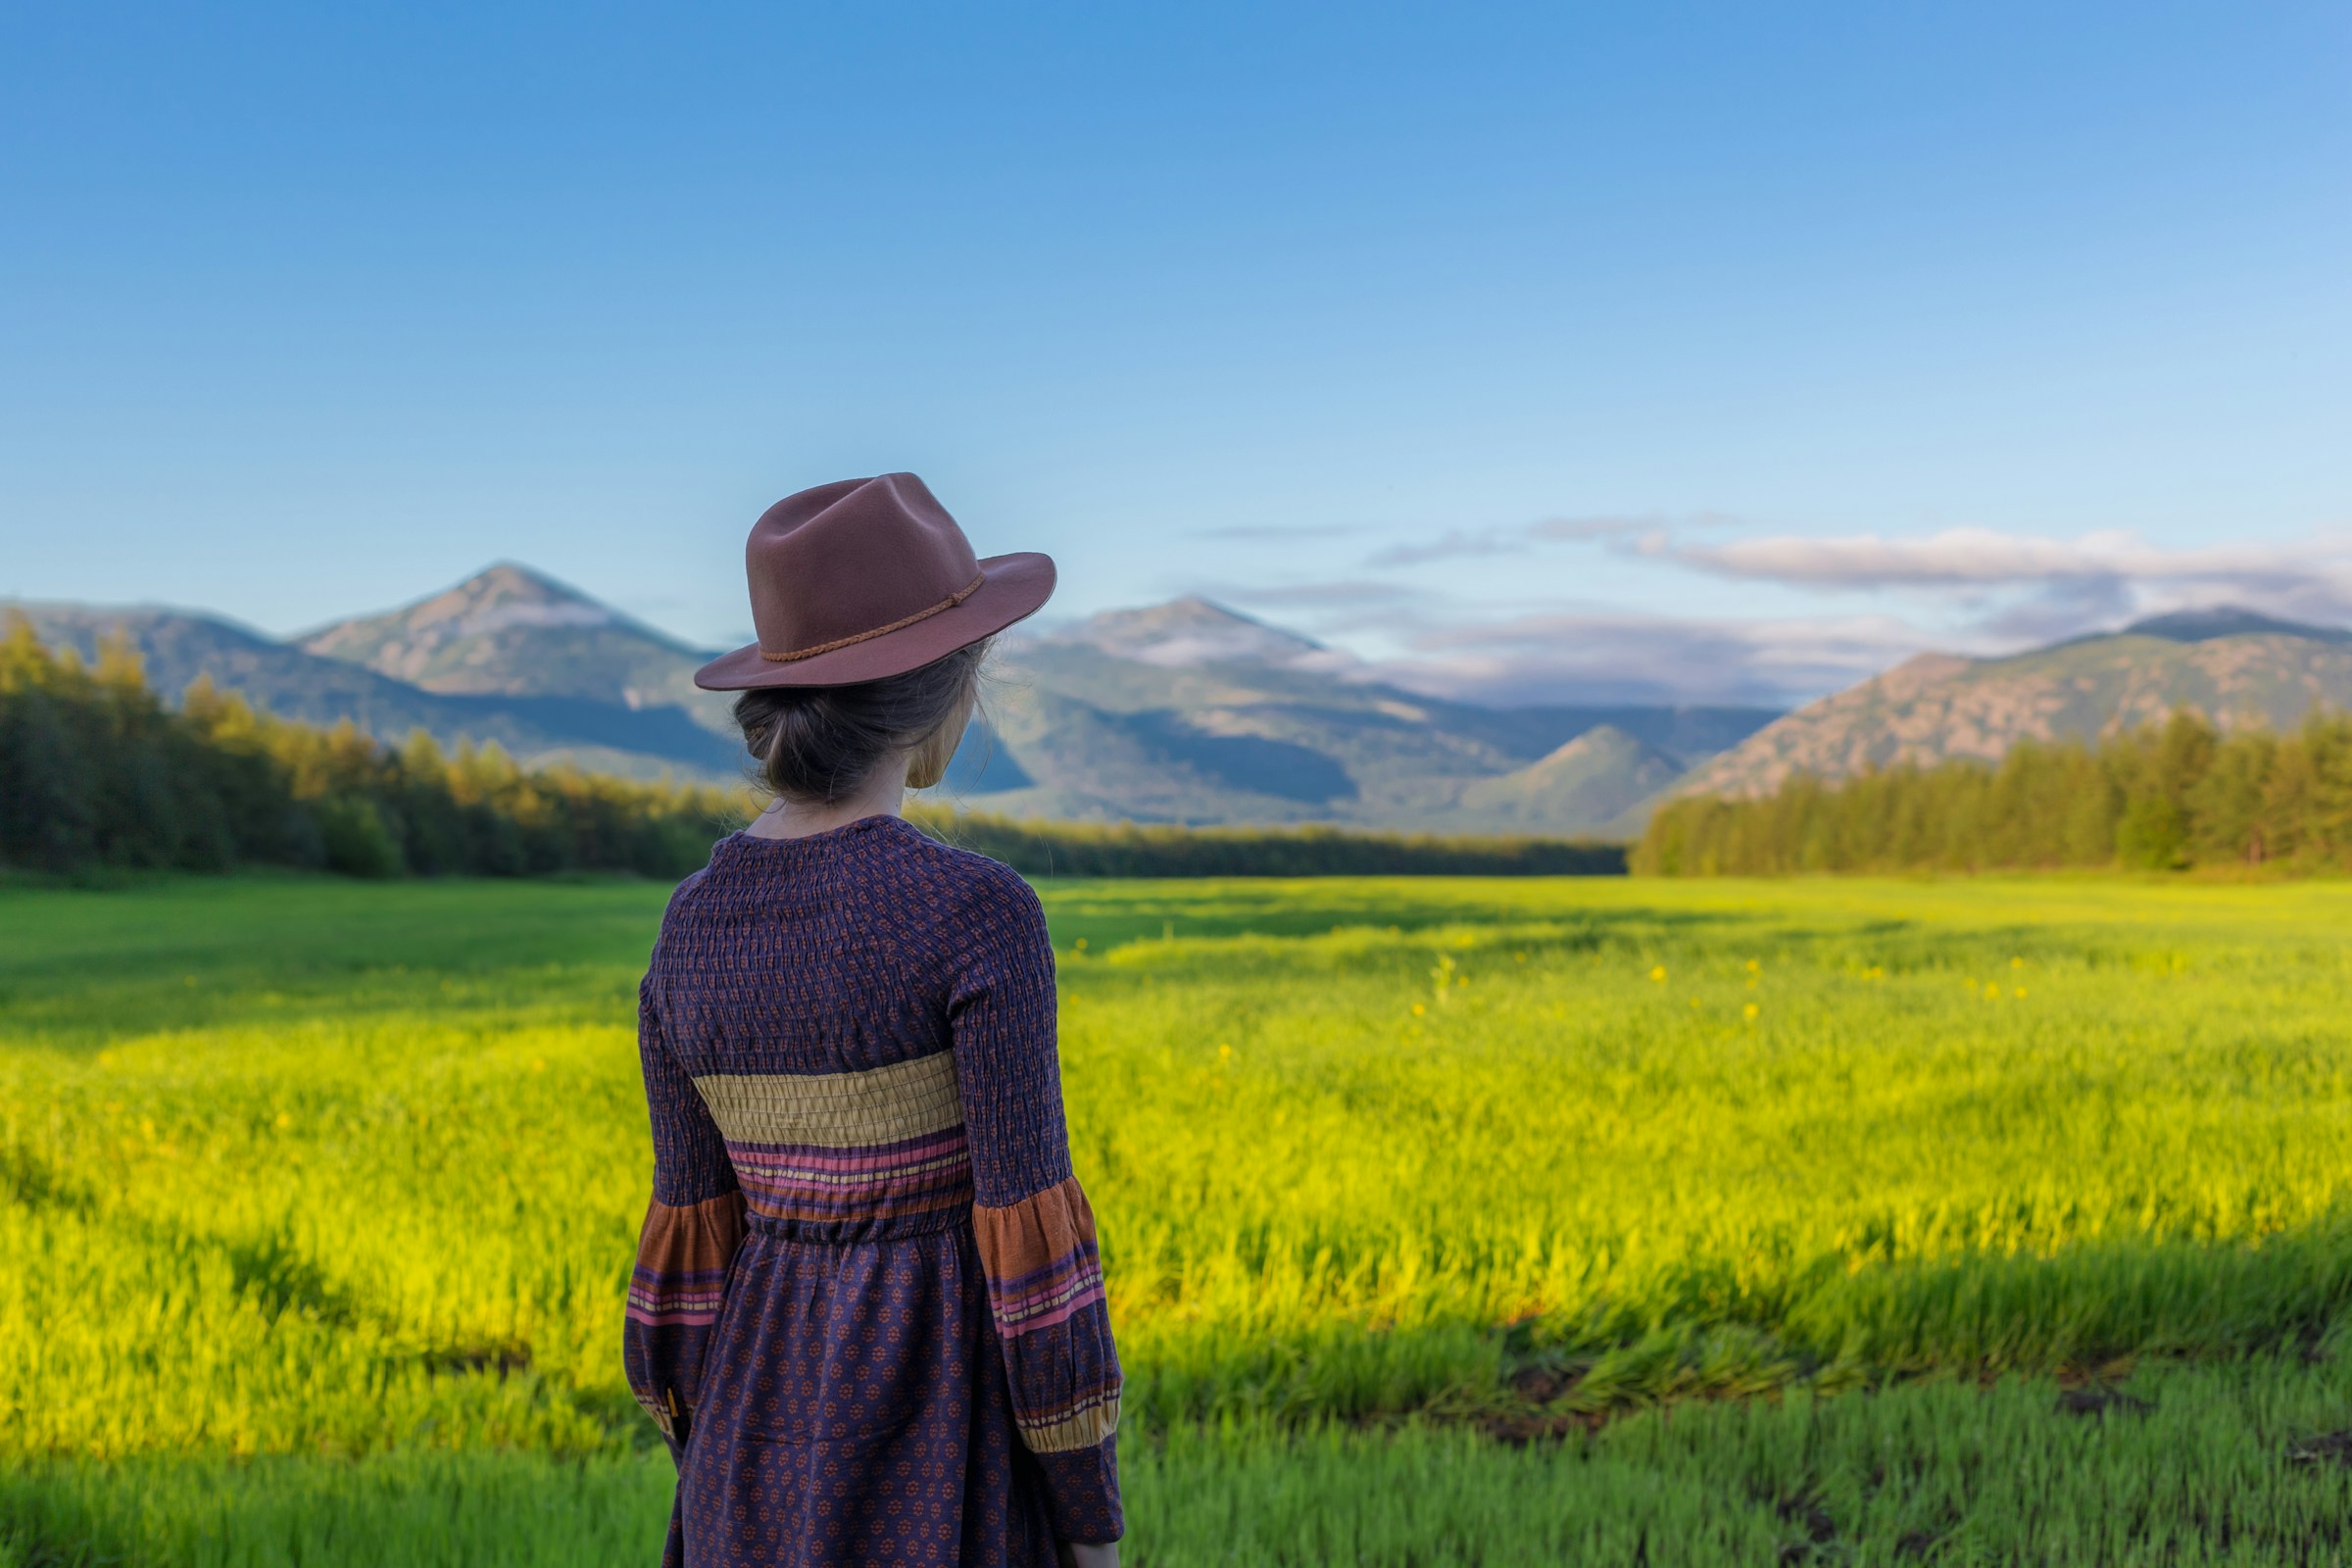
(818, 744)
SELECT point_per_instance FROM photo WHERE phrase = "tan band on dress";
(1081, 1429)
(837, 1109)
(949, 603)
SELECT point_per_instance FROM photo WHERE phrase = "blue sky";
(1527, 352)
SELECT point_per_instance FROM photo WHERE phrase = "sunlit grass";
(304, 1169)
(1724, 1141)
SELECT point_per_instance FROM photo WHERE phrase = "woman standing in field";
(867, 1311)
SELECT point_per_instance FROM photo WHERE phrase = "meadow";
(1447, 1220)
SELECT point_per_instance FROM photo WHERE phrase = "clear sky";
(1573, 350)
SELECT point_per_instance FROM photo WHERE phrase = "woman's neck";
(881, 795)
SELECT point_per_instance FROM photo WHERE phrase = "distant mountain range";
(1181, 713)
(544, 716)
(1188, 712)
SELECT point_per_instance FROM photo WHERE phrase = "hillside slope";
(2238, 670)
(1594, 779)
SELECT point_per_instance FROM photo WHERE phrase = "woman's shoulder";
(968, 877)
(889, 872)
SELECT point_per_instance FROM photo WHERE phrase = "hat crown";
(847, 560)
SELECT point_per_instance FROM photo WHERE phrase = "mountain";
(509, 631)
(2238, 668)
(1601, 776)
(2227, 620)
(1186, 711)
(178, 647)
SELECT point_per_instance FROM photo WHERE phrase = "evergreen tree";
(2163, 798)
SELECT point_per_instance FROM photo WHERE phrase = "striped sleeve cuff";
(1045, 1289)
(682, 1259)
(675, 1293)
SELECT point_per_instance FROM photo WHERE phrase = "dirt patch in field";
(1540, 1419)
(2102, 1401)
(504, 1360)
(1817, 1531)
(2328, 1448)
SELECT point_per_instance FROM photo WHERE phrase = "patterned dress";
(867, 1311)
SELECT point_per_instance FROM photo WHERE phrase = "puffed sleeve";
(688, 1243)
(1035, 1229)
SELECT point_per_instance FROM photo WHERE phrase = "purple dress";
(867, 1310)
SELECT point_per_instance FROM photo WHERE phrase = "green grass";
(1781, 1212)
(1939, 1471)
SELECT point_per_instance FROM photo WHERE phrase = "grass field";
(1448, 1221)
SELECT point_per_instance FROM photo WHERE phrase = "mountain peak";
(1602, 740)
(1193, 631)
(503, 594)
(512, 630)
(2227, 620)
(522, 580)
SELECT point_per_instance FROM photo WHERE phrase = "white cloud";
(1517, 539)
(1589, 658)
(1451, 545)
(2313, 570)
(1278, 533)
(1316, 596)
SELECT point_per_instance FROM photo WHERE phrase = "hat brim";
(1011, 588)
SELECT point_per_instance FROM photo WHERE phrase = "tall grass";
(303, 1180)
(2205, 1464)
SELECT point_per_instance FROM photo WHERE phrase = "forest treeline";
(2169, 797)
(97, 772)
(1126, 849)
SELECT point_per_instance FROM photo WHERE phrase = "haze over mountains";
(1188, 713)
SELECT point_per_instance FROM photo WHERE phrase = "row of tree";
(96, 771)
(2165, 797)
(1125, 849)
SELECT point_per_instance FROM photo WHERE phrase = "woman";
(867, 1311)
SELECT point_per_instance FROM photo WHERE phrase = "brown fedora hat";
(864, 578)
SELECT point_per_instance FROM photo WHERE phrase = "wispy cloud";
(1337, 596)
(1280, 533)
(1574, 656)
(1983, 557)
(1452, 544)
(2105, 573)
(1652, 526)
(2020, 589)
(1515, 539)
